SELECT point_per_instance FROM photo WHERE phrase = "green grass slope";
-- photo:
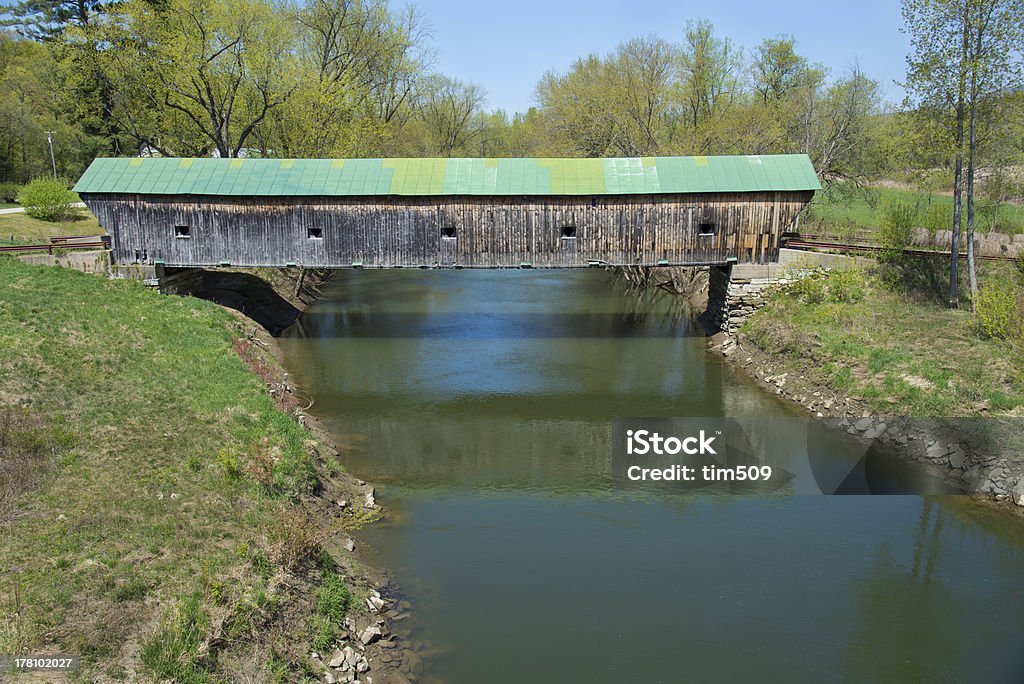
(153, 497)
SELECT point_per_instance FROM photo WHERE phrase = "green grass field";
(22, 229)
(151, 493)
(902, 355)
(845, 213)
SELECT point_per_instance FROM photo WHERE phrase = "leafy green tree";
(45, 20)
(47, 199)
(449, 109)
(838, 129)
(777, 70)
(962, 52)
(359, 64)
(580, 111)
(642, 72)
(995, 31)
(195, 75)
(710, 84)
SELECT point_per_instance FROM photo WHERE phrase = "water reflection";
(482, 403)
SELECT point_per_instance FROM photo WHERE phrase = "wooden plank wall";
(489, 232)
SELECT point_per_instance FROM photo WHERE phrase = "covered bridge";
(473, 213)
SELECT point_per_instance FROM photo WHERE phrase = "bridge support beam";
(180, 281)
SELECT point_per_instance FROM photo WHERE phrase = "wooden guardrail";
(61, 239)
(63, 242)
(823, 242)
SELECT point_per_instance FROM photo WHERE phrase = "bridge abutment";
(735, 291)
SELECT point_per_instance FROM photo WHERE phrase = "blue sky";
(506, 45)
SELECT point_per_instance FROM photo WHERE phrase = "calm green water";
(481, 403)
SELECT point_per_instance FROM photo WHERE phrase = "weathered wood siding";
(410, 231)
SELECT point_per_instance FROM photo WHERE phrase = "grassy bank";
(20, 228)
(884, 338)
(844, 212)
(161, 511)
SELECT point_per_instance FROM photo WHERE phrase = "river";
(480, 403)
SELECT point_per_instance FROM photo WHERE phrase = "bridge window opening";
(315, 233)
(182, 231)
(568, 232)
(448, 233)
(706, 229)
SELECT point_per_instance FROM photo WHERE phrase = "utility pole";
(53, 159)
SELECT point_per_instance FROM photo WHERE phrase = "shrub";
(896, 228)
(9, 192)
(937, 217)
(997, 312)
(294, 538)
(845, 285)
(47, 199)
(821, 286)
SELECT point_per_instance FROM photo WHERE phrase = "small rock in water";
(370, 501)
(862, 424)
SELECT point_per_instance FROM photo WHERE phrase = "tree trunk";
(972, 144)
(954, 248)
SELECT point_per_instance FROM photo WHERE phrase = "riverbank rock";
(374, 603)
(1017, 493)
(371, 634)
(937, 447)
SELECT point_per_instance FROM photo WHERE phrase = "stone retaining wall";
(967, 467)
(733, 295)
(735, 291)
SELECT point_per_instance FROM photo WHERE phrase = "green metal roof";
(283, 177)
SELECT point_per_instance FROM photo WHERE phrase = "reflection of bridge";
(474, 213)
